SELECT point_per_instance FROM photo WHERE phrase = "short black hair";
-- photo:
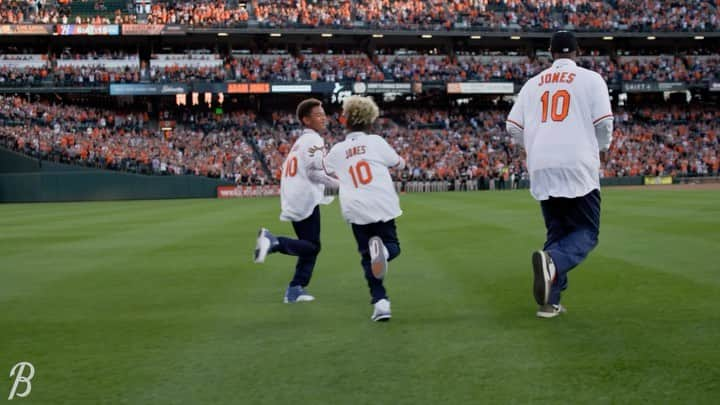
(305, 106)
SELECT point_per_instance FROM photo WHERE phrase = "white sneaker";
(544, 271)
(378, 257)
(550, 310)
(381, 313)
(264, 242)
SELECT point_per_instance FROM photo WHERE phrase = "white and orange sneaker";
(378, 257)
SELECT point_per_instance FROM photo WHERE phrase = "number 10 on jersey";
(291, 167)
(361, 173)
(560, 100)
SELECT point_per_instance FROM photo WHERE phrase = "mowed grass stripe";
(100, 248)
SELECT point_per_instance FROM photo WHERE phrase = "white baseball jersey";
(300, 188)
(563, 117)
(367, 193)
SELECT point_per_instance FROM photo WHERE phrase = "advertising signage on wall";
(142, 89)
(652, 87)
(481, 88)
(26, 29)
(247, 191)
(248, 88)
(142, 29)
(382, 87)
(200, 87)
(87, 29)
(152, 29)
(292, 88)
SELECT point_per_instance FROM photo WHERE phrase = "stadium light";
(275, 34)
(515, 37)
(378, 35)
(326, 35)
(222, 34)
(426, 36)
(651, 38)
(699, 37)
(475, 36)
(608, 38)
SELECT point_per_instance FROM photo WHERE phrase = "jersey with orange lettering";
(367, 192)
(563, 117)
(303, 181)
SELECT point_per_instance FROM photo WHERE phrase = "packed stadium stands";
(664, 95)
(513, 15)
(439, 144)
(80, 69)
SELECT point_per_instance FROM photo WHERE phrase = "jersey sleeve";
(386, 153)
(315, 152)
(328, 162)
(600, 108)
(516, 119)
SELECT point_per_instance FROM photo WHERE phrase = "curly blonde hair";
(360, 111)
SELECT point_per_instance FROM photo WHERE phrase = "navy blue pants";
(306, 247)
(385, 231)
(573, 225)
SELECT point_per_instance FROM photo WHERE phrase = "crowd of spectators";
(198, 13)
(332, 68)
(122, 68)
(304, 13)
(438, 144)
(525, 15)
(59, 12)
(665, 141)
(205, 146)
(450, 145)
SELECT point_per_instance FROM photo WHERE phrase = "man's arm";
(603, 133)
(315, 154)
(515, 121)
(602, 114)
(319, 176)
(388, 154)
(515, 130)
(327, 165)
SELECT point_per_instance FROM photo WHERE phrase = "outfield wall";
(25, 179)
(414, 186)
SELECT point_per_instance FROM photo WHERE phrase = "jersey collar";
(354, 134)
(309, 131)
(562, 62)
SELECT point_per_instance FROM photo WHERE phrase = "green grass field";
(158, 302)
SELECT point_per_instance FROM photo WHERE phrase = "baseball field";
(155, 302)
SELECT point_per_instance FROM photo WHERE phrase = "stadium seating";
(505, 15)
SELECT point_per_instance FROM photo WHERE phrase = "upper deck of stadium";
(382, 15)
